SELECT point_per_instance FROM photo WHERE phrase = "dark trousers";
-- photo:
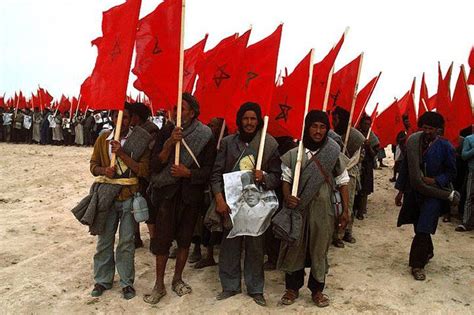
(421, 250)
(295, 281)
(272, 246)
(229, 263)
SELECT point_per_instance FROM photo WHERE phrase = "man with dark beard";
(425, 174)
(323, 169)
(340, 120)
(177, 192)
(238, 152)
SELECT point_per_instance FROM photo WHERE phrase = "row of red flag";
(456, 109)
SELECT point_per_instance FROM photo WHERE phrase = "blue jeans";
(104, 263)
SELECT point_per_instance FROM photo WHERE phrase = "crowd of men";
(52, 126)
(188, 205)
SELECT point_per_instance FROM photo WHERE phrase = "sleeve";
(200, 176)
(467, 150)
(95, 158)
(286, 173)
(403, 177)
(216, 179)
(273, 171)
(341, 176)
(449, 173)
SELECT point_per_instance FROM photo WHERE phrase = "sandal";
(460, 228)
(181, 288)
(155, 296)
(289, 297)
(320, 299)
(418, 274)
(338, 243)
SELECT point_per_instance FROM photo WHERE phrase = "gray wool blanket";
(288, 223)
(414, 162)
(92, 210)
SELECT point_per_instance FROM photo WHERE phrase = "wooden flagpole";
(363, 107)
(328, 89)
(78, 104)
(424, 104)
(354, 97)
(296, 177)
(221, 135)
(261, 147)
(373, 122)
(180, 82)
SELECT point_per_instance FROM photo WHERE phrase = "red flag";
(107, 86)
(45, 98)
(423, 103)
(388, 125)
(64, 104)
(158, 48)
(363, 97)
(460, 115)
(192, 56)
(443, 96)
(343, 85)
(470, 79)
(321, 72)
(431, 104)
(288, 102)
(21, 101)
(256, 79)
(218, 79)
(2, 101)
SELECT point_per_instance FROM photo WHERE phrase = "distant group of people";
(52, 126)
(188, 204)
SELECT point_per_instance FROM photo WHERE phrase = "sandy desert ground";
(46, 255)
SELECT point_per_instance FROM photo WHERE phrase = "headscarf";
(249, 106)
(312, 117)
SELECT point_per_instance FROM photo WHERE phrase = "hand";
(258, 175)
(109, 172)
(292, 202)
(222, 208)
(428, 180)
(180, 171)
(116, 146)
(398, 199)
(367, 143)
(343, 220)
(176, 136)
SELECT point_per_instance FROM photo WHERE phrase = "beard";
(245, 136)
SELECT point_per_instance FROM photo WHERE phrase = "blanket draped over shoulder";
(288, 223)
(93, 209)
(414, 155)
(196, 136)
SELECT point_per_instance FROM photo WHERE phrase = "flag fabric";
(256, 78)
(443, 95)
(45, 98)
(321, 72)
(192, 56)
(21, 101)
(388, 125)
(363, 97)
(107, 86)
(423, 102)
(64, 104)
(460, 115)
(470, 79)
(288, 102)
(2, 101)
(158, 48)
(431, 104)
(218, 78)
(344, 84)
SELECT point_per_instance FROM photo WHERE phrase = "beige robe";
(319, 224)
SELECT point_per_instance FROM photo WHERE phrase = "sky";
(47, 42)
